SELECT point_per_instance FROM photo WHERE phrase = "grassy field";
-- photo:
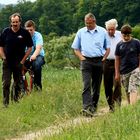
(121, 125)
(61, 100)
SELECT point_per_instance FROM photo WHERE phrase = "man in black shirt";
(13, 41)
(127, 63)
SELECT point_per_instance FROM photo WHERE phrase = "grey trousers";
(92, 69)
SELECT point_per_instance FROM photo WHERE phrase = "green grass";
(124, 124)
(60, 100)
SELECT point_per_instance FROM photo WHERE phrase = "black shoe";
(111, 110)
(93, 110)
(5, 105)
(87, 113)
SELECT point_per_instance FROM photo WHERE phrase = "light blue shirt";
(37, 40)
(91, 43)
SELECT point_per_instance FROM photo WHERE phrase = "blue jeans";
(37, 69)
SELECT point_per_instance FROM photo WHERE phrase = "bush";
(136, 31)
(59, 53)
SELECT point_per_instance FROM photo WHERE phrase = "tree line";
(58, 20)
(64, 17)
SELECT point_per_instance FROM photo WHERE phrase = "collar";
(92, 31)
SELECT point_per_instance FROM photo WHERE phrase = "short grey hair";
(111, 22)
(90, 15)
(14, 15)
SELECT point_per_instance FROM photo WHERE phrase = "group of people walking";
(17, 45)
(111, 53)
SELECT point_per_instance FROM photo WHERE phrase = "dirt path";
(57, 129)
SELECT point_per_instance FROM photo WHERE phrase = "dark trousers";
(112, 87)
(37, 69)
(92, 69)
(8, 71)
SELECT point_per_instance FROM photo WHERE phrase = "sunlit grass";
(60, 100)
(124, 124)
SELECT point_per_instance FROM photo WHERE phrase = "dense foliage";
(59, 53)
(65, 16)
(59, 20)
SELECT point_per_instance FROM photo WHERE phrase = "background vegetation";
(58, 21)
(64, 17)
(60, 101)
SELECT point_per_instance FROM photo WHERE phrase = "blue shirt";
(91, 43)
(37, 40)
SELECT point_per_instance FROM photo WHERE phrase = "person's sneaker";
(5, 106)
(111, 110)
(87, 113)
(93, 110)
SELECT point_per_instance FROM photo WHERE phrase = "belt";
(110, 60)
(94, 58)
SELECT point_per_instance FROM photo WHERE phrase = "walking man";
(112, 87)
(90, 46)
(13, 41)
(127, 64)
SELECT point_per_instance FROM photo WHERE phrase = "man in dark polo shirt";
(13, 41)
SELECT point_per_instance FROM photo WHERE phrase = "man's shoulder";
(83, 29)
(135, 40)
(100, 28)
(23, 29)
(36, 33)
(118, 32)
(120, 43)
(7, 29)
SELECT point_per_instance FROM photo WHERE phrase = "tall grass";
(59, 100)
(124, 124)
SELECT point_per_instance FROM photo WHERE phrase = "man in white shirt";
(112, 87)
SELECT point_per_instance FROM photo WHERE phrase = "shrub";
(59, 53)
(136, 31)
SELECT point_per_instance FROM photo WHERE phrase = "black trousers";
(112, 87)
(7, 73)
(92, 69)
